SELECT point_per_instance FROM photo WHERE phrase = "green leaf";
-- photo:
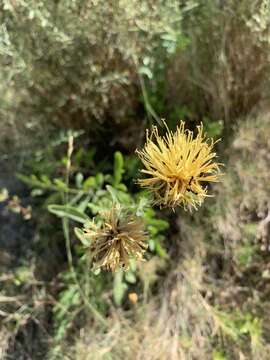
(119, 288)
(69, 212)
(83, 204)
(79, 180)
(122, 187)
(143, 204)
(152, 230)
(29, 180)
(144, 70)
(96, 271)
(161, 251)
(130, 277)
(37, 192)
(89, 183)
(152, 245)
(60, 184)
(113, 193)
(45, 179)
(81, 236)
(158, 224)
(213, 128)
(99, 179)
(118, 168)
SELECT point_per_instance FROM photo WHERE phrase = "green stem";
(98, 316)
(65, 224)
(147, 104)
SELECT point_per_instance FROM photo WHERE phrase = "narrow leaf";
(68, 211)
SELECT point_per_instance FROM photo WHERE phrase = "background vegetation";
(80, 81)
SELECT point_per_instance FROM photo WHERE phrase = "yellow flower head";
(119, 237)
(178, 165)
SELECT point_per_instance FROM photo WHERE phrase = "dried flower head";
(178, 165)
(119, 237)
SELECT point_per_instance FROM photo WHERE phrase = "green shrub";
(77, 199)
(75, 63)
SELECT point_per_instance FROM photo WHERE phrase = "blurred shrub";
(75, 63)
(224, 70)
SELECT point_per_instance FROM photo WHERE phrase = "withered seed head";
(119, 237)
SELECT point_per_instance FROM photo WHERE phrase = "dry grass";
(244, 195)
(173, 326)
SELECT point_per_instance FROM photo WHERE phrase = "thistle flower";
(119, 237)
(178, 164)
